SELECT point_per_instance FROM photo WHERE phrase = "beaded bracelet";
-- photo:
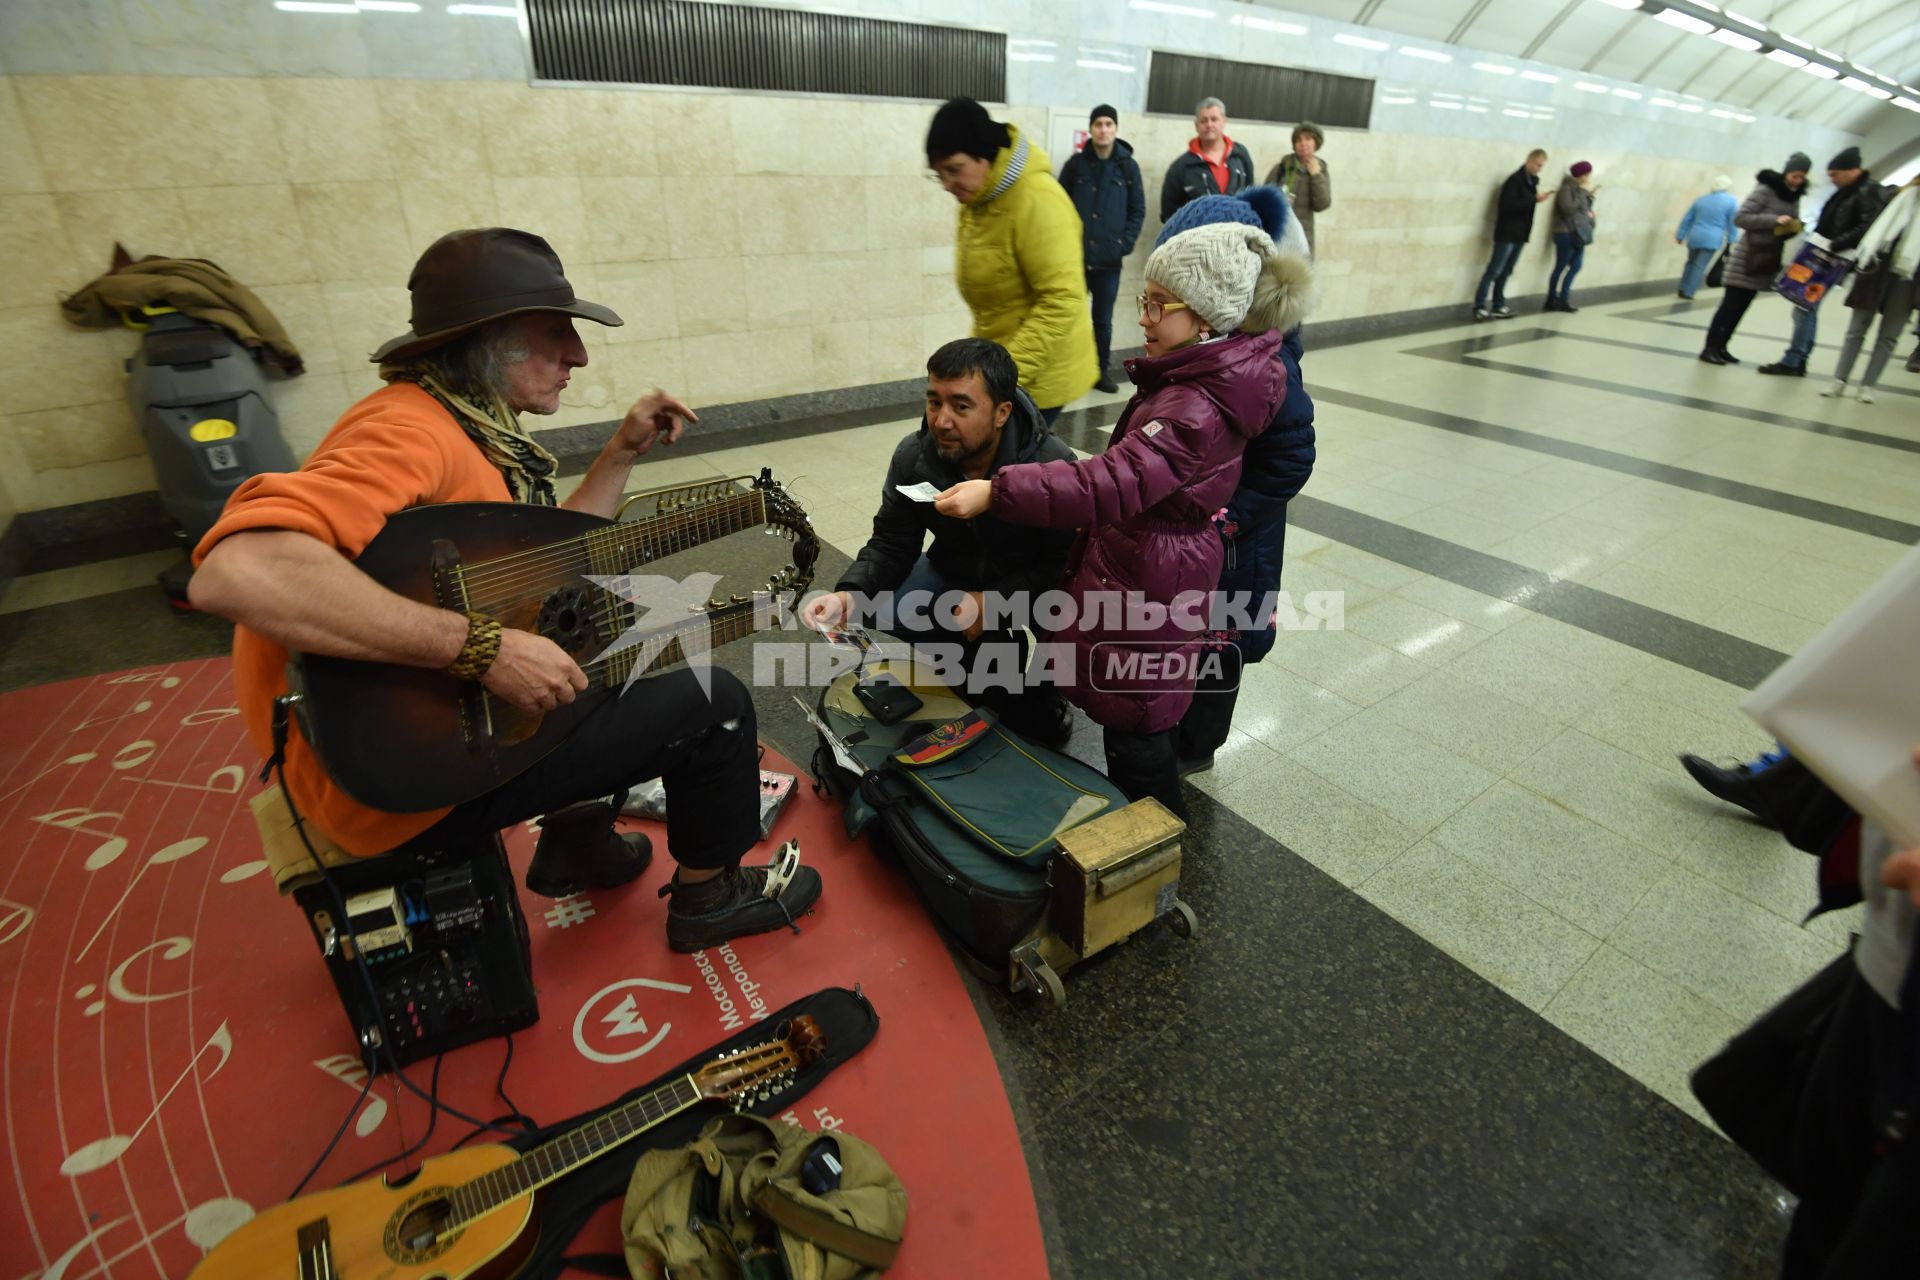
(481, 648)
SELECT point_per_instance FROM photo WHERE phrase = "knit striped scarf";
(526, 466)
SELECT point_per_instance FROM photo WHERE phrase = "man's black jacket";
(985, 554)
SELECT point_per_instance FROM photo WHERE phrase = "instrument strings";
(672, 530)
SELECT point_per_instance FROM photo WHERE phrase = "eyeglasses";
(1156, 311)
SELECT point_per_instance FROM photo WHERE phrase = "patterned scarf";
(526, 466)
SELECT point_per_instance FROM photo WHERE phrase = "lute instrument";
(405, 738)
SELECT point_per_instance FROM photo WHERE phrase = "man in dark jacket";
(1512, 225)
(977, 421)
(1849, 211)
(1212, 165)
(1104, 184)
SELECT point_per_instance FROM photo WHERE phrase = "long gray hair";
(475, 364)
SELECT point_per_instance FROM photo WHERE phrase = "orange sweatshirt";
(393, 450)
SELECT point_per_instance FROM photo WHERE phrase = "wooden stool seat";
(286, 854)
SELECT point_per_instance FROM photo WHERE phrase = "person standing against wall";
(1103, 182)
(1303, 176)
(1512, 225)
(1572, 233)
(1016, 251)
(1705, 229)
(1770, 215)
(1212, 165)
(1884, 286)
(1849, 211)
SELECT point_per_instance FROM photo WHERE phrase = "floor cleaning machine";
(200, 400)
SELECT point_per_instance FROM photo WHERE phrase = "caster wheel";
(1054, 991)
(1182, 920)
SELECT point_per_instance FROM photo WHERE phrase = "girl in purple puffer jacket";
(1218, 300)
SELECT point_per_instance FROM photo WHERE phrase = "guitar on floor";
(474, 1213)
(405, 738)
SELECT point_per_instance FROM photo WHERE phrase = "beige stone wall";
(757, 246)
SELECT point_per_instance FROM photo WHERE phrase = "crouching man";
(938, 596)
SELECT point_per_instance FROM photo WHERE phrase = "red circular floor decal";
(176, 1059)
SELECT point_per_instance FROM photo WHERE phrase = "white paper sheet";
(1848, 704)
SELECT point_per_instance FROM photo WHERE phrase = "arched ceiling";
(1599, 38)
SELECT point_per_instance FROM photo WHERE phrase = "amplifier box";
(445, 944)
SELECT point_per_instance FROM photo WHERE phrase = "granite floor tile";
(1371, 500)
(1660, 808)
(1739, 957)
(1489, 613)
(1471, 720)
(1668, 682)
(1808, 588)
(1342, 835)
(1361, 566)
(1581, 562)
(1412, 779)
(1521, 947)
(1526, 674)
(1348, 664)
(1631, 580)
(1241, 755)
(1659, 732)
(1415, 630)
(1763, 624)
(35, 590)
(1282, 709)
(1458, 527)
(1649, 1026)
(1603, 656)
(1306, 575)
(1587, 875)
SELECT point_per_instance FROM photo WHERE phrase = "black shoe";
(1711, 356)
(1737, 786)
(580, 850)
(1552, 304)
(1481, 313)
(1502, 312)
(1200, 764)
(1104, 383)
(735, 903)
(1726, 356)
(1781, 369)
(1568, 307)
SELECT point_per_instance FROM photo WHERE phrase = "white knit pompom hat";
(1218, 270)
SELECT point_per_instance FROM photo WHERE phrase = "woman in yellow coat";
(1016, 251)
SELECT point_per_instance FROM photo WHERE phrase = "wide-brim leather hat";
(466, 278)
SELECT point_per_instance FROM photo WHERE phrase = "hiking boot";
(1781, 369)
(580, 850)
(739, 901)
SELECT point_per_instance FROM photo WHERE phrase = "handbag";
(1717, 274)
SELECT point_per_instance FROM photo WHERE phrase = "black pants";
(1203, 730)
(1146, 764)
(1103, 286)
(1859, 1188)
(705, 749)
(1733, 307)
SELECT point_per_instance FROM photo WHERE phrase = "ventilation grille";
(737, 46)
(1255, 91)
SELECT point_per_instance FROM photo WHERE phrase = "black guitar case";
(849, 1023)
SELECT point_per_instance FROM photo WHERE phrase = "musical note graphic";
(172, 853)
(143, 677)
(234, 875)
(76, 819)
(14, 919)
(348, 1070)
(212, 715)
(225, 780)
(102, 1152)
(206, 1225)
(169, 949)
(79, 758)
